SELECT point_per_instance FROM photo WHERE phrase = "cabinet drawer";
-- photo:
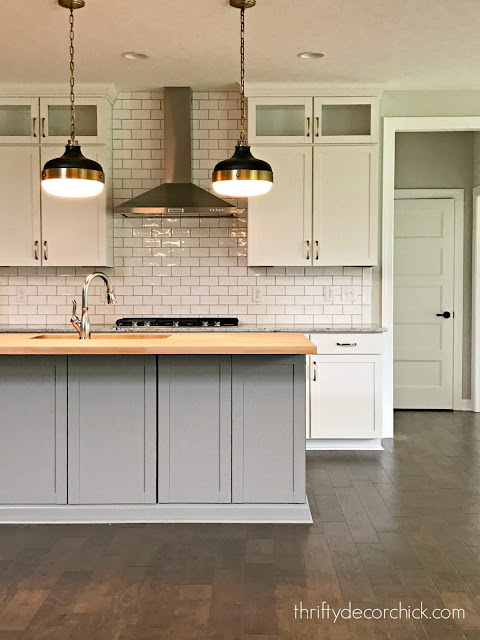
(348, 343)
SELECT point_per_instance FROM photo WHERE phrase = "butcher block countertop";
(155, 343)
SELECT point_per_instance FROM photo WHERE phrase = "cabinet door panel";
(280, 222)
(74, 228)
(112, 429)
(280, 120)
(90, 121)
(19, 120)
(345, 396)
(194, 443)
(33, 430)
(20, 206)
(268, 429)
(345, 208)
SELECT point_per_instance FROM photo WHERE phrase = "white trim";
(59, 90)
(476, 303)
(156, 513)
(344, 444)
(307, 89)
(458, 197)
(390, 127)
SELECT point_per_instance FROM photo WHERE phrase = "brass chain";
(72, 81)
(243, 135)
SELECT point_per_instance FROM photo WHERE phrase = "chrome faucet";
(83, 325)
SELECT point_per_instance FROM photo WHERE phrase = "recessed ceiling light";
(134, 55)
(310, 55)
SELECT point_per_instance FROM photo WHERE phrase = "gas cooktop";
(177, 322)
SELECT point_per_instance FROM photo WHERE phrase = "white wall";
(443, 160)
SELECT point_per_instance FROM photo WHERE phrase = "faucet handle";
(74, 318)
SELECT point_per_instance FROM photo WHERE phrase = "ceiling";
(407, 44)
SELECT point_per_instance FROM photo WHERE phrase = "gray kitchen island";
(153, 428)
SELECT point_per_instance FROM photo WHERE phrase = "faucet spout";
(84, 330)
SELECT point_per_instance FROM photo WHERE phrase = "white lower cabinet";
(346, 387)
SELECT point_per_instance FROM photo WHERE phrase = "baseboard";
(344, 444)
(157, 513)
(463, 405)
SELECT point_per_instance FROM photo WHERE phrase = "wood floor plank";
(21, 609)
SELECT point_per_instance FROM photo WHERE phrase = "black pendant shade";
(73, 175)
(242, 175)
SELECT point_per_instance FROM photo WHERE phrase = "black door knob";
(445, 314)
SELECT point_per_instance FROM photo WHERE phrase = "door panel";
(423, 287)
(194, 442)
(280, 222)
(33, 430)
(111, 429)
(20, 206)
(73, 228)
(346, 396)
(345, 207)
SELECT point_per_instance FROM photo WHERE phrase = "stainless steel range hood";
(178, 196)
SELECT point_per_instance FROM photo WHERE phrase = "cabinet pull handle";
(43, 128)
(314, 371)
(34, 127)
(317, 127)
(45, 250)
(346, 344)
(316, 249)
(308, 127)
(308, 249)
(36, 249)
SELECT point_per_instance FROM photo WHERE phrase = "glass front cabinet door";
(19, 120)
(348, 120)
(277, 120)
(55, 120)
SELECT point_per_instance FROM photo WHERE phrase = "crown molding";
(300, 89)
(59, 90)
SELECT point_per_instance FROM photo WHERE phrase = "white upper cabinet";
(277, 120)
(74, 230)
(38, 229)
(19, 121)
(313, 120)
(20, 234)
(345, 120)
(280, 222)
(90, 120)
(345, 205)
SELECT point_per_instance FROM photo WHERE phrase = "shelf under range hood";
(178, 196)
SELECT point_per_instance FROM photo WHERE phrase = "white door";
(73, 229)
(423, 290)
(280, 222)
(345, 205)
(20, 237)
(345, 396)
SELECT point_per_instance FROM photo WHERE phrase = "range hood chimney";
(178, 196)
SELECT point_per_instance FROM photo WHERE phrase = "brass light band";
(242, 174)
(73, 173)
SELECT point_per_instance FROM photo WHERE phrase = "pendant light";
(72, 175)
(242, 175)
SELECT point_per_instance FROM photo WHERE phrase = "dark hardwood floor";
(398, 525)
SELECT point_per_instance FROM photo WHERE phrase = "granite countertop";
(243, 328)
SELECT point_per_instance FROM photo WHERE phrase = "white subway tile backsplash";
(183, 266)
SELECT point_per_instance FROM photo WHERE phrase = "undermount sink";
(104, 336)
